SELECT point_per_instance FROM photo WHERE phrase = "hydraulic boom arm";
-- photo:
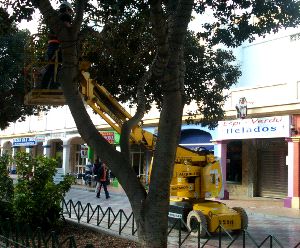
(196, 175)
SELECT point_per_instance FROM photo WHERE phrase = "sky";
(32, 26)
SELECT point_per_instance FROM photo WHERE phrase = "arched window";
(196, 139)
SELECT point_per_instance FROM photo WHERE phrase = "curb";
(295, 218)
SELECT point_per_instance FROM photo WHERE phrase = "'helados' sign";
(267, 127)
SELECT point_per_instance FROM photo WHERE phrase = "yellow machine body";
(219, 214)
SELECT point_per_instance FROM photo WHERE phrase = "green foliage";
(125, 47)
(6, 188)
(237, 21)
(130, 45)
(12, 43)
(37, 198)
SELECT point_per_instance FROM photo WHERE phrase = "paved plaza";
(266, 217)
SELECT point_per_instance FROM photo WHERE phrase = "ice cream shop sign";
(267, 127)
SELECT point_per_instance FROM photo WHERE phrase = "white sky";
(32, 26)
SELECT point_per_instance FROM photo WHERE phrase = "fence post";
(220, 236)
(198, 236)
(78, 211)
(271, 241)
(120, 222)
(179, 231)
(108, 222)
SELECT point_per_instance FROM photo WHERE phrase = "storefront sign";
(84, 151)
(111, 137)
(40, 138)
(27, 141)
(57, 135)
(267, 127)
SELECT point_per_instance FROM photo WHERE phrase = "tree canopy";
(12, 43)
(117, 37)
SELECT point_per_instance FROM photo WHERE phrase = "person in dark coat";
(54, 56)
(101, 173)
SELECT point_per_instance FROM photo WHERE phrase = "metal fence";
(119, 221)
(178, 235)
(22, 236)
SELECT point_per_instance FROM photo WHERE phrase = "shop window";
(234, 162)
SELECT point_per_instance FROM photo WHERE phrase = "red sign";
(109, 136)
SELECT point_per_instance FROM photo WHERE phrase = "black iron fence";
(96, 215)
(22, 236)
(223, 238)
(179, 235)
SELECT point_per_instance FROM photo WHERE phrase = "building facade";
(257, 143)
(259, 139)
(54, 134)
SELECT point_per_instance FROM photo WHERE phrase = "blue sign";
(28, 141)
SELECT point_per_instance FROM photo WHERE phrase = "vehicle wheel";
(194, 219)
(244, 217)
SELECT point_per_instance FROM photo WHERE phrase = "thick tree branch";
(134, 121)
(80, 6)
(160, 32)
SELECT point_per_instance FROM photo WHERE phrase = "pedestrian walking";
(101, 173)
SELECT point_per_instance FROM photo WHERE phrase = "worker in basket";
(54, 56)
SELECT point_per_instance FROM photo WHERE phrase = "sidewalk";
(253, 206)
(266, 217)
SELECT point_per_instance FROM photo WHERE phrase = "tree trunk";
(150, 211)
(156, 208)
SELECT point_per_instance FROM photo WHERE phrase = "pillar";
(66, 157)
(221, 153)
(293, 163)
(47, 148)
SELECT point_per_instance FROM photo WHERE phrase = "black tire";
(193, 220)
(244, 217)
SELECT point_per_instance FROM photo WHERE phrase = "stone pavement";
(266, 216)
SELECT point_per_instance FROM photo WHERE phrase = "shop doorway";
(234, 161)
(272, 169)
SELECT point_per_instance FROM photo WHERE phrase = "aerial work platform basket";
(38, 92)
(45, 97)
